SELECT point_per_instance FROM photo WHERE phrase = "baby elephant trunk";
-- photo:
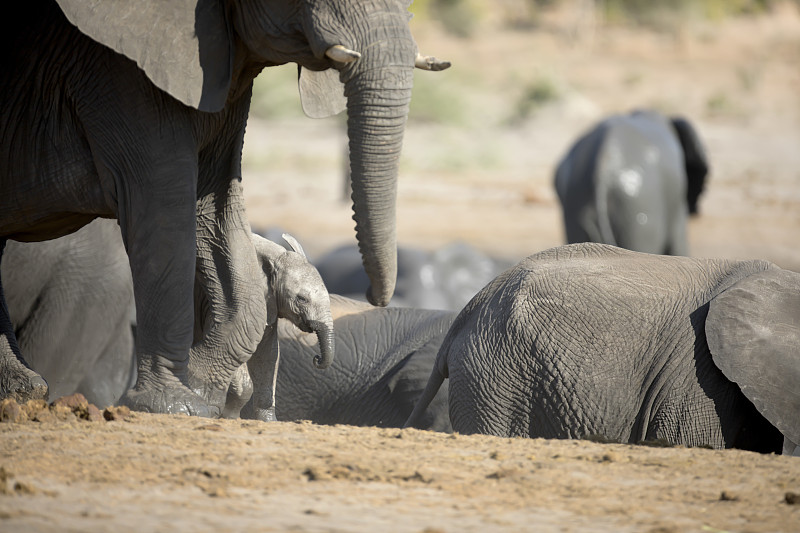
(324, 331)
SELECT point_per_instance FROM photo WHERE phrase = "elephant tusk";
(430, 63)
(341, 54)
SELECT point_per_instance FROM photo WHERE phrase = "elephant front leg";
(159, 234)
(263, 368)
(17, 380)
(233, 286)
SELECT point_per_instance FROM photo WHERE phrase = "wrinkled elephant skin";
(137, 111)
(591, 339)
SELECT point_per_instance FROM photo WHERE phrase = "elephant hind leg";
(17, 380)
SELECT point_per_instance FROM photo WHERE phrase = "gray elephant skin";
(632, 181)
(137, 111)
(71, 303)
(590, 339)
(293, 291)
(383, 359)
(445, 278)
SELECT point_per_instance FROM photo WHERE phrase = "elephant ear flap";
(753, 332)
(694, 159)
(321, 93)
(183, 46)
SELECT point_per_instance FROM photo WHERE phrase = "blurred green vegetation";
(435, 99)
(440, 99)
(535, 95)
(275, 93)
(649, 11)
(462, 17)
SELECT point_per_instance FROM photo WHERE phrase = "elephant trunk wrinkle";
(325, 337)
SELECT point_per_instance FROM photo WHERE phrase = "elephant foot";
(266, 415)
(20, 382)
(168, 396)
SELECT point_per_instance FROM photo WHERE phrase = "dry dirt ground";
(477, 167)
(176, 473)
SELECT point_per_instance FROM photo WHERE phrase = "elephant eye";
(302, 300)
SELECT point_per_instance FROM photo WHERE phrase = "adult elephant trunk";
(324, 331)
(378, 91)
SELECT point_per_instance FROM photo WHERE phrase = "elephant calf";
(383, 359)
(590, 339)
(92, 351)
(631, 181)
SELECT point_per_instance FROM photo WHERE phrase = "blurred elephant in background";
(71, 304)
(632, 181)
(137, 111)
(443, 279)
(383, 359)
(590, 339)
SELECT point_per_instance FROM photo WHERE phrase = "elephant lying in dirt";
(71, 304)
(71, 301)
(632, 181)
(590, 339)
(137, 111)
(383, 359)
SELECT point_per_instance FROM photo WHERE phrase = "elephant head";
(296, 292)
(360, 51)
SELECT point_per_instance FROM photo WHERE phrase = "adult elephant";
(591, 339)
(632, 181)
(383, 359)
(71, 304)
(137, 111)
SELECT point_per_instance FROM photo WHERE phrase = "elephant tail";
(434, 383)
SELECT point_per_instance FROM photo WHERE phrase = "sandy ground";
(176, 473)
(481, 173)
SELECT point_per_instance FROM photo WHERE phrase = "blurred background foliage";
(443, 100)
(462, 17)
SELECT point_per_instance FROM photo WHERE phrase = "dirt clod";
(116, 413)
(11, 411)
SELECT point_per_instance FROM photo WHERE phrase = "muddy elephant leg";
(17, 380)
(234, 287)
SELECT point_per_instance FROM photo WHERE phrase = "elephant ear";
(183, 46)
(321, 92)
(695, 160)
(294, 244)
(753, 332)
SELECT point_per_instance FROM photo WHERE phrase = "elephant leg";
(234, 287)
(790, 448)
(263, 368)
(678, 240)
(111, 375)
(17, 380)
(158, 227)
(240, 392)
